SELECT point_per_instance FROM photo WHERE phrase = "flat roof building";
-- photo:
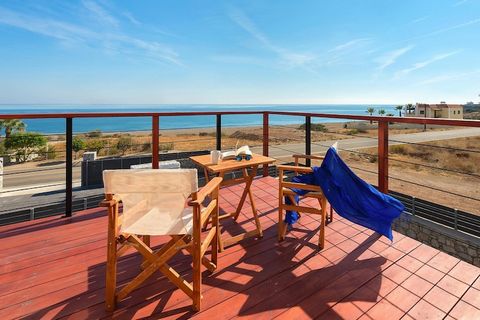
(440, 110)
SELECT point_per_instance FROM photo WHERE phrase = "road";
(55, 174)
(282, 151)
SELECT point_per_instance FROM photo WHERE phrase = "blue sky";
(140, 52)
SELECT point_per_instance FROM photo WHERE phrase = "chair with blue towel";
(289, 200)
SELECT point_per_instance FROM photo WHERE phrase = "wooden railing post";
(308, 139)
(68, 167)
(265, 141)
(155, 141)
(383, 156)
(218, 133)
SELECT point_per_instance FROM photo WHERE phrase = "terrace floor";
(55, 268)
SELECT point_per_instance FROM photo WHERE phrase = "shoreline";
(209, 129)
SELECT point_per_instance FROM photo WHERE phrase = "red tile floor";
(54, 268)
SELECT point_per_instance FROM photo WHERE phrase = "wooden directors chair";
(154, 203)
(314, 192)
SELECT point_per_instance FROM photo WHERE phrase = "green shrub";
(25, 144)
(78, 144)
(352, 132)
(314, 127)
(95, 145)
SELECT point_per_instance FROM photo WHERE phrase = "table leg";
(252, 202)
(248, 183)
(258, 232)
(205, 172)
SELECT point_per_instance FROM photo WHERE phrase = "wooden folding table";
(226, 166)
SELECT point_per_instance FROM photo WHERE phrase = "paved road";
(56, 173)
(359, 143)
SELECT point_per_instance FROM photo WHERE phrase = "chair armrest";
(208, 189)
(110, 202)
(295, 168)
(304, 156)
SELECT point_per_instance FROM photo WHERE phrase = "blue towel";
(350, 196)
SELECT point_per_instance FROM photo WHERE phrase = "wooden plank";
(303, 186)
(302, 209)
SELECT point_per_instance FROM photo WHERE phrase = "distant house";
(440, 110)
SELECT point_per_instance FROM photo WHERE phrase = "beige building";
(441, 110)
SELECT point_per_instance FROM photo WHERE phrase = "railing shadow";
(48, 223)
(158, 298)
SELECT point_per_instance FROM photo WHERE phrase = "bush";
(2, 149)
(165, 146)
(399, 149)
(25, 144)
(124, 144)
(95, 145)
(146, 147)
(352, 132)
(245, 136)
(314, 127)
(94, 134)
(77, 145)
(49, 153)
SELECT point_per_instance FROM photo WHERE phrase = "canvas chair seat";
(159, 202)
(152, 224)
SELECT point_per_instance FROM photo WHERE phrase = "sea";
(82, 125)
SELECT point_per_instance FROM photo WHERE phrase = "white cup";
(215, 156)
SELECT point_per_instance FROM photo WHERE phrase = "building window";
(422, 111)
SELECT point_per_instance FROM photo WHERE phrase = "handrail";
(414, 120)
(121, 114)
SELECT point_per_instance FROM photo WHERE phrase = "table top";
(232, 164)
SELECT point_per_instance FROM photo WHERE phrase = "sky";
(239, 52)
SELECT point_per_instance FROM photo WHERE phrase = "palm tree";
(399, 108)
(370, 111)
(409, 108)
(381, 112)
(11, 126)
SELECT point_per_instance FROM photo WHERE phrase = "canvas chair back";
(154, 201)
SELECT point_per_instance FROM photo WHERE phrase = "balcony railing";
(158, 117)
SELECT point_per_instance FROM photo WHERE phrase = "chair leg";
(215, 240)
(197, 279)
(330, 216)
(111, 270)
(197, 261)
(280, 233)
(321, 236)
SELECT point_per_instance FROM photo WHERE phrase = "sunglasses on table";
(240, 157)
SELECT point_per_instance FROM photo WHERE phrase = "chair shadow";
(286, 296)
(154, 296)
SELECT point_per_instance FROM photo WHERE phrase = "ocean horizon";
(57, 126)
